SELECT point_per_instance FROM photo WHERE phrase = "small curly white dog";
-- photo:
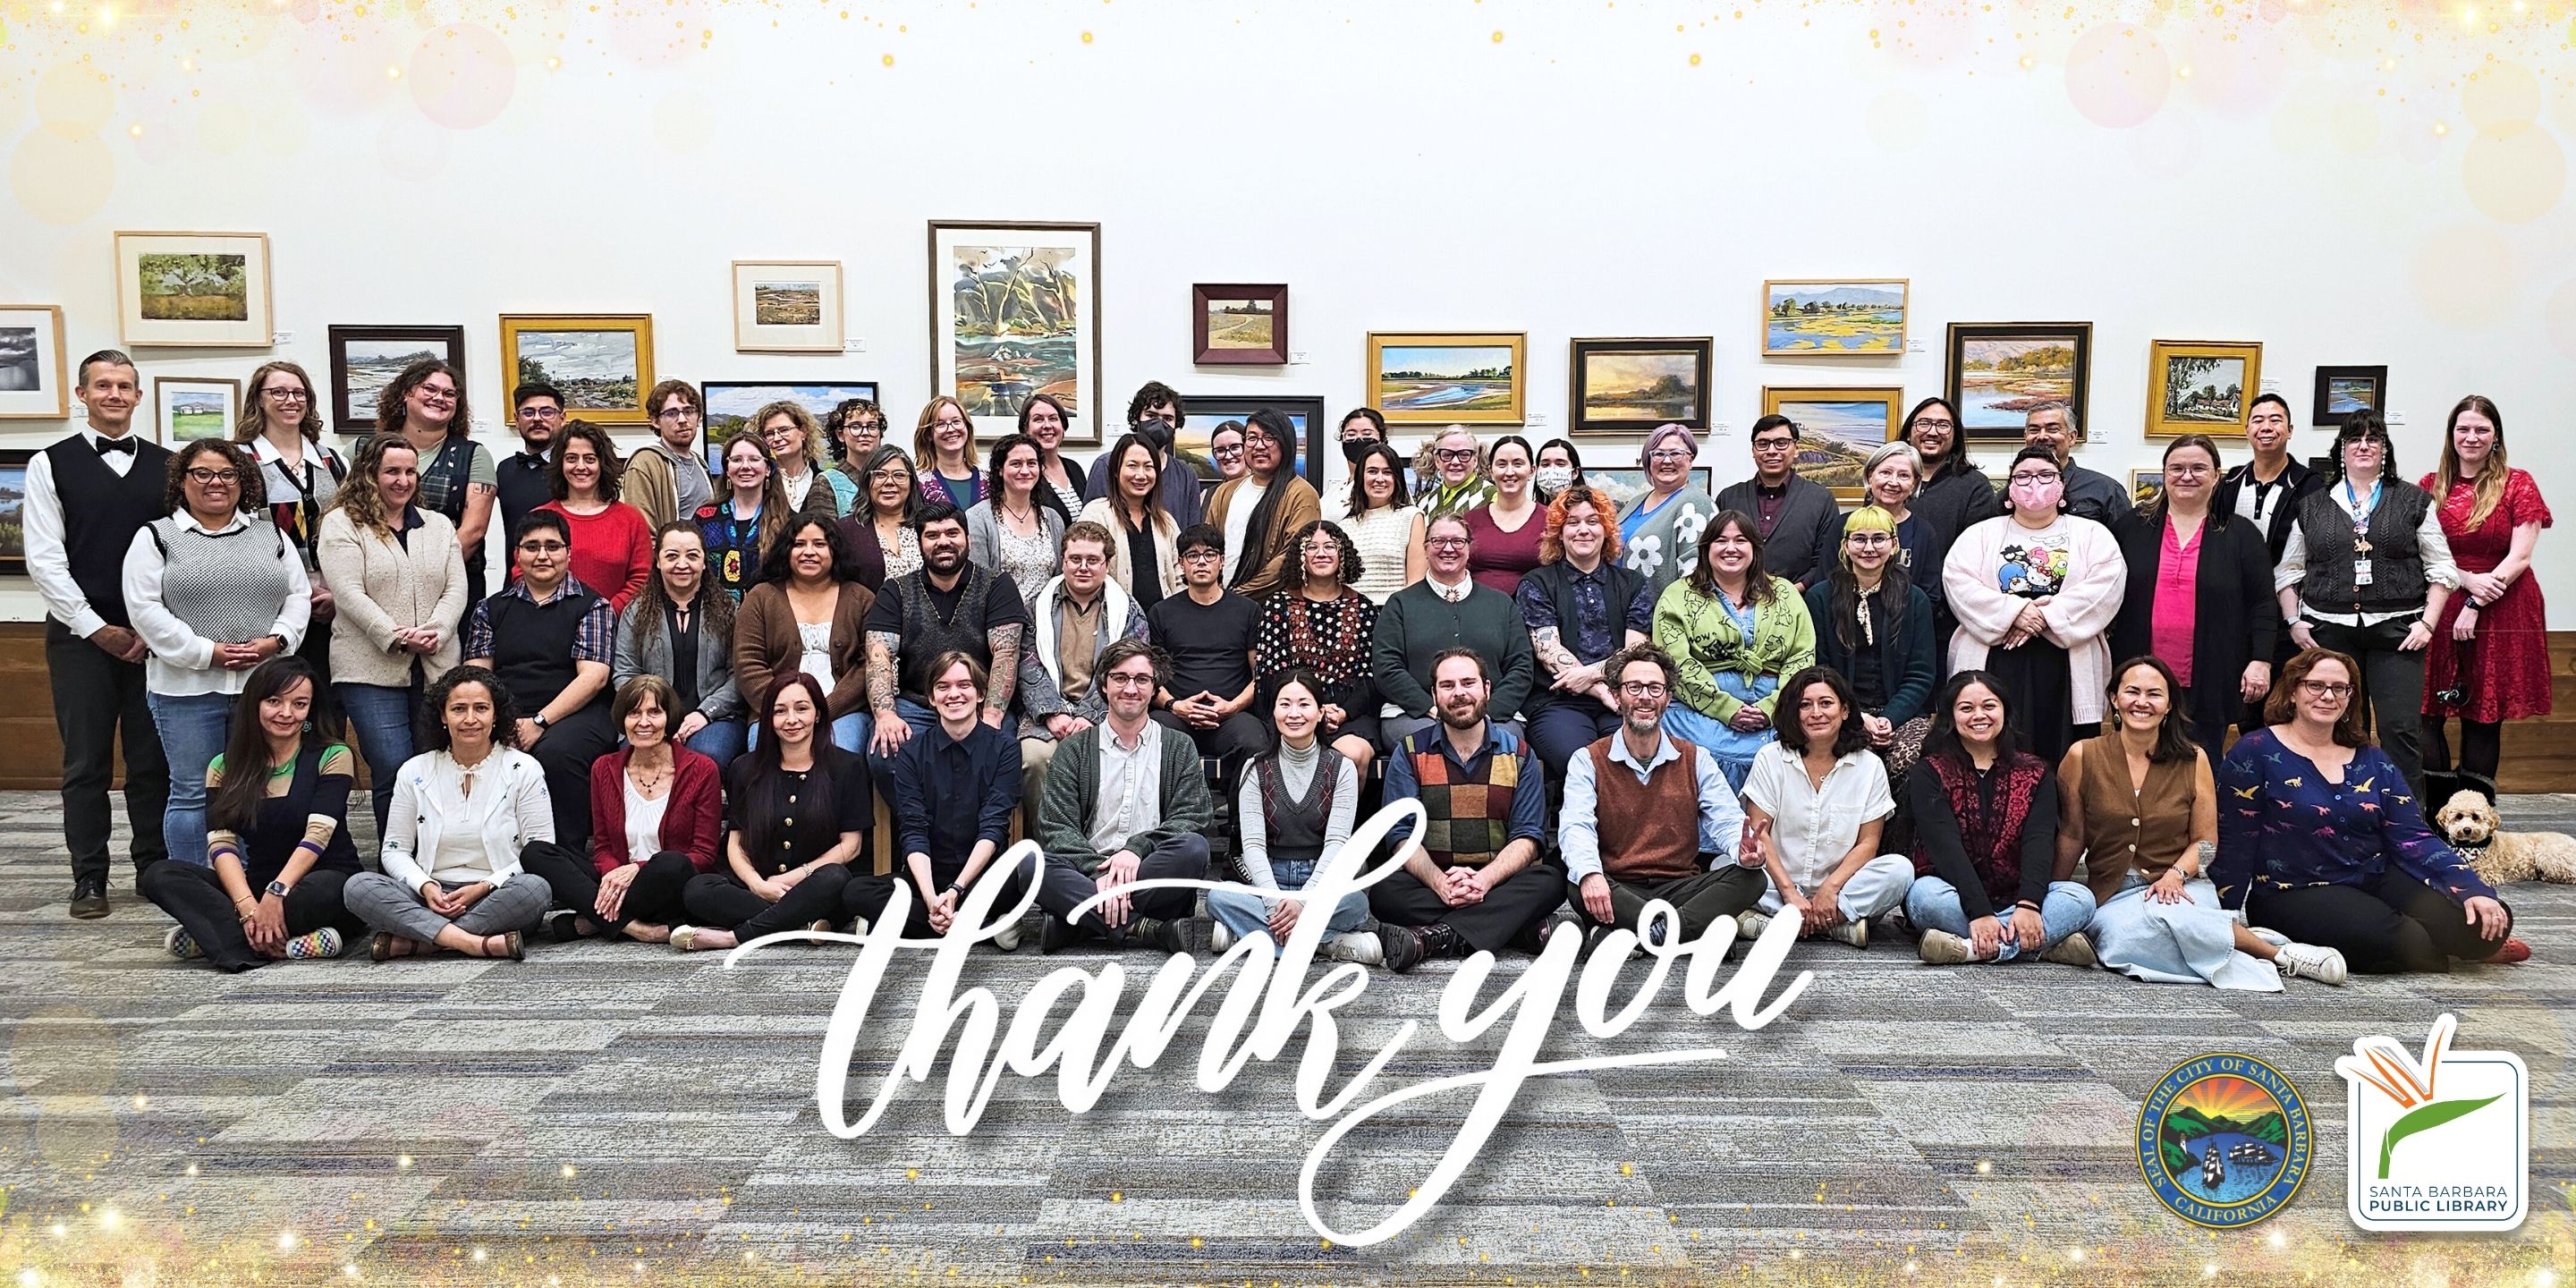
(2469, 822)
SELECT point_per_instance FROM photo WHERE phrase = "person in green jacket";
(1125, 800)
(1735, 631)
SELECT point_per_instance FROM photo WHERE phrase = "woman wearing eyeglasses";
(1225, 447)
(1261, 512)
(2367, 573)
(1458, 483)
(1874, 626)
(943, 449)
(2320, 839)
(2035, 591)
(2200, 594)
(281, 425)
(1661, 529)
(426, 405)
(879, 528)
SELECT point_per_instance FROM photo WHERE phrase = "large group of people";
(1998, 724)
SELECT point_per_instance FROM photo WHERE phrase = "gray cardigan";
(984, 535)
(718, 699)
(1072, 791)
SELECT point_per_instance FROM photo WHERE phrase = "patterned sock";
(320, 944)
(181, 944)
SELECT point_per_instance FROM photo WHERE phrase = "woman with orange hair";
(1581, 606)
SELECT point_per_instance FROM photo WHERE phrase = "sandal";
(514, 947)
(381, 948)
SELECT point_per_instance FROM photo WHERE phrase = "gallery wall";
(2348, 184)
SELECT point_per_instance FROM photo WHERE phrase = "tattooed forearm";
(882, 646)
(1005, 643)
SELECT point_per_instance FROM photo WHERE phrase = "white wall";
(2256, 176)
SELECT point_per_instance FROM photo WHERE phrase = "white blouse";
(644, 822)
(1813, 827)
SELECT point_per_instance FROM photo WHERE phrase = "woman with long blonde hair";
(943, 449)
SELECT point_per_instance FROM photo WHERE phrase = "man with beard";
(2089, 493)
(1154, 414)
(1125, 801)
(1647, 816)
(1801, 522)
(665, 478)
(946, 605)
(1475, 879)
(538, 410)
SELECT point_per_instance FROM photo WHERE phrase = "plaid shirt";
(595, 642)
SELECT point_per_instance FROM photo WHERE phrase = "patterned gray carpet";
(609, 1112)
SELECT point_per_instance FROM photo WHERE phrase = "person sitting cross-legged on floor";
(1985, 838)
(1648, 816)
(954, 790)
(656, 820)
(1126, 801)
(1295, 810)
(1818, 801)
(1476, 878)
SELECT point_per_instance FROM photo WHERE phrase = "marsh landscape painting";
(1833, 319)
(2343, 392)
(597, 370)
(373, 364)
(787, 303)
(1631, 390)
(1469, 378)
(1999, 371)
(1837, 430)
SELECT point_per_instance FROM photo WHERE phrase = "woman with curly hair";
(426, 405)
(1008, 533)
(1319, 625)
(401, 603)
(214, 589)
(612, 542)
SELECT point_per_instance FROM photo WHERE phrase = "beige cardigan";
(381, 586)
(1097, 510)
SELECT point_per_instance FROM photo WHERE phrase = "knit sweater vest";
(1296, 827)
(926, 635)
(226, 586)
(1649, 830)
(101, 513)
(1467, 820)
(2396, 560)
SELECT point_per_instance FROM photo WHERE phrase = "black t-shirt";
(1210, 645)
(799, 835)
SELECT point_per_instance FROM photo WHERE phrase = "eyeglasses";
(1453, 455)
(1202, 555)
(1446, 543)
(1935, 422)
(2036, 476)
(543, 547)
(2187, 471)
(432, 393)
(288, 395)
(2325, 689)
(1668, 454)
(947, 423)
(1776, 444)
(1643, 688)
(1322, 548)
(1130, 680)
(1226, 453)
(667, 413)
(892, 475)
(547, 413)
(202, 475)
(1869, 539)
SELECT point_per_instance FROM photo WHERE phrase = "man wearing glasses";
(2090, 494)
(1155, 415)
(1445, 611)
(665, 478)
(1125, 802)
(550, 639)
(1801, 522)
(1207, 632)
(1458, 485)
(536, 410)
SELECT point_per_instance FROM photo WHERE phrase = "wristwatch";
(279, 888)
(541, 721)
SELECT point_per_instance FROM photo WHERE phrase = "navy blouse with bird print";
(2282, 823)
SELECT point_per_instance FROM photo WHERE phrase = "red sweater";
(688, 822)
(612, 551)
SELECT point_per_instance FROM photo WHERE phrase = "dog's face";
(2467, 820)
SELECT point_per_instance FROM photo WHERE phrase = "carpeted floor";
(610, 1111)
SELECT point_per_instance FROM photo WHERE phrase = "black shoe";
(1055, 934)
(89, 898)
(1441, 941)
(1532, 938)
(1401, 945)
(1162, 934)
(563, 925)
(1592, 939)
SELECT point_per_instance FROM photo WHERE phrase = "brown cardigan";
(1298, 506)
(766, 646)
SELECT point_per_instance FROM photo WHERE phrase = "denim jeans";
(1933, 904)
(722, 741)
(849, 733)
(380, 718)
(1248, 914)
(192, 728)
(920, 720)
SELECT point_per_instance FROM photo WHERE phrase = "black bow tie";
(125, 445)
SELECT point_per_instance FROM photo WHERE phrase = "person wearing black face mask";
(1154, 415)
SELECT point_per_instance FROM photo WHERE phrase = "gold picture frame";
(604, 377)
(2202, 386)
(1449, 377)
(787, 306)
(1835, 317)
(1838, 427)
(193, 290)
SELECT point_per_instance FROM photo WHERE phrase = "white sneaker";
(1749, 925)
(1855, 933)
(2074, 950)
(2307, 961)
(1362, 946)
(1008, 937)
(1220, 937)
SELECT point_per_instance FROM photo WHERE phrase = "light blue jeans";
(1933, 904)
(1248, 914)
(723, 740)
(849, 733)
(192, 728)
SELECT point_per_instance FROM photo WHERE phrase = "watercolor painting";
(365, 359)
(192, 408)
(1860, 317)
(602, 362)
(1837, 430)
(208, 290)
(1015, 311)
(2200, 386)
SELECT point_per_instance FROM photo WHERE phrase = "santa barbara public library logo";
(2438, 1142)
(2224, 1140)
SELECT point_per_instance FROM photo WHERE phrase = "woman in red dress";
(2489, 662)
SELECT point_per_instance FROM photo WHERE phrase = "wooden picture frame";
(1838, 427)
(728, 405)
(787, 306)
(1015, 311)
(1201, 416)
(187, 408)
(35, 374)
(2341, 390)
(1633, 385)
(365, 359)
(1995, 371)
(1449, 377)
(1254, 331)
(193, 290)
(2201, 386)
(13, 509)
(1835, 317)
(602, 361)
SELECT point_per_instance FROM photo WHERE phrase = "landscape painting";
(730, 404)
(1632, 386)
(1466, 379)
(2341, 391)
(1239, 325)
(194, 288)
(787, 303)
(35, 378)
(1201, 416)
(1862, 317)
(1837, 430)
(13, 510)
(603, 363)
(2000, 370)
(2145, 486)
(365, 359)
(787, 306)
(191, 409)
(2201, 387)
(203, 289)
(1015, 312)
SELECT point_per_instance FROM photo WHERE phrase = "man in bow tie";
(86, 498)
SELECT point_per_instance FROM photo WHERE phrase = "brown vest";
(2145, 830)
(1649, 831)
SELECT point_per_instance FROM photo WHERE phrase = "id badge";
(2360, 572)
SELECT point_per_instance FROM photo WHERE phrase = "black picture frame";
(1202, 414)
(1701, 350)
(353, 411)
(816, 396)
(1203, 295)
(2324, 414)
(2076, 335)
(13, 509)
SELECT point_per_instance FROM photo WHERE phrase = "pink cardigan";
(689, 822)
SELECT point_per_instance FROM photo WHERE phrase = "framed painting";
(2341, 391)
(787, 306)
(730, 404)
(1625, 483)
(13, 509)
(35, 378)
(2145, 486)
(1015, 311)
(2000, 370)
(1239, 325)
(206, 290)
(1448, 378)
(1860, 317)
(1201, 416)
(365, 359)
(190, 407)
(2201, 386)
(1838, 427)
(602, 361)
(1632, 386)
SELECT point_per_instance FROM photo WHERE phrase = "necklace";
(1028, 516)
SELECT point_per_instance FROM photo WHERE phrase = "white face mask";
(1553, 478)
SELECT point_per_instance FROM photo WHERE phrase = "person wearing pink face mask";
(2035, 591)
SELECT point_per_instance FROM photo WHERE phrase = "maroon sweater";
(689, 822)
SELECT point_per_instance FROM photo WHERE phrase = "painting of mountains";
(365, 359)
(1833, 319)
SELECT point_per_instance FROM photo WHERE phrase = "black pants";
(833, 893)
(653, 899)
(95, 696)
(2395, 925)
(1064, 885)
(1235, 740)
(195, 897)
(944, 873)
(565, 753)
(1700, 899)
(2481, 751)
(2393, 681)
(1522, 901)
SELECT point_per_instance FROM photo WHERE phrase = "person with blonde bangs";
(795, 441)
(1455, 465)
(2489, 662)
(943, 449)
(281, 426)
